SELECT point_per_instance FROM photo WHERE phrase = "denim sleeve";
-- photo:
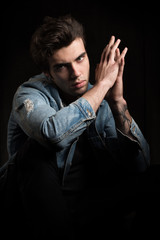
(137, 152)
(68, 123)
(133, 154)
(34, 114)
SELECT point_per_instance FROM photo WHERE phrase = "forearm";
(122, 117)
(96, 94)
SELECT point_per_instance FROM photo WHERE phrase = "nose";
(74, 71)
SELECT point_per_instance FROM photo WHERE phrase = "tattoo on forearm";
(125, 119)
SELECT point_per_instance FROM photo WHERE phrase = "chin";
(81, 91)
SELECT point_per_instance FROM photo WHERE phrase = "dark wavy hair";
(52, 35)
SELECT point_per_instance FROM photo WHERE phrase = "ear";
(48, 75)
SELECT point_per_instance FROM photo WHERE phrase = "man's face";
(69, 69)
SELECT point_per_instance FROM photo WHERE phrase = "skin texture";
(69, 70)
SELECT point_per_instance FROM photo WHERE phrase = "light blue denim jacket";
(39, 113)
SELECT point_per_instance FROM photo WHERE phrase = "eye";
(80, 58)
(59, 67)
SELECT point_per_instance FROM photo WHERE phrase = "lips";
(79, 84)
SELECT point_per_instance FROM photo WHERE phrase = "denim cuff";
(135, 132)
(85, 108)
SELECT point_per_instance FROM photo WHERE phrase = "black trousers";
(39, 207)
(39, 187)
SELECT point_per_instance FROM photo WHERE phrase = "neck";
(66, 98)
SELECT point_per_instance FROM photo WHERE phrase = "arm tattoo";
(122, 119)
(123, 115)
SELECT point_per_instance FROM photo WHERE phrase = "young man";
(66, 135)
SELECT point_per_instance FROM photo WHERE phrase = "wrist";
(103, 86)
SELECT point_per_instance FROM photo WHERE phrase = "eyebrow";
(67, 63)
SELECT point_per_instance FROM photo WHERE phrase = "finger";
(111, 42)
(107, 49)
(121, 68)
(110, 45)
(117, 54)
(121, 61)
(104, 53)
(113, 50)
(123, 54)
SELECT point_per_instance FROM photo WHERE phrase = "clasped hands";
(110, 70)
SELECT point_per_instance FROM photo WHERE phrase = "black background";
(136, 23)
